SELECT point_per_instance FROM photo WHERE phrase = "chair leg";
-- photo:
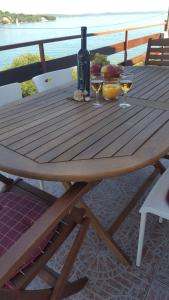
(50, 277)
(58, 289)
(141, 239)
(41, 185)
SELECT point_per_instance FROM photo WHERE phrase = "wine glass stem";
(124, 103)
(97, 96)
(124, 97)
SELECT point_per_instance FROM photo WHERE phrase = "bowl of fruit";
(111, 74)
(100, 64)
(111, 71)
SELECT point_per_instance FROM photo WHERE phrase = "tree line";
(8, 18)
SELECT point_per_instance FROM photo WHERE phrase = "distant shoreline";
(7, 17)
(106, 13)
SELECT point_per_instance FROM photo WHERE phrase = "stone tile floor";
(109, 279)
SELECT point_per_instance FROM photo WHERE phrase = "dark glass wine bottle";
(83, 64)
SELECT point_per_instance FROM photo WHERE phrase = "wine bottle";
(83, 64)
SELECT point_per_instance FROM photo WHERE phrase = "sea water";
(65, 26)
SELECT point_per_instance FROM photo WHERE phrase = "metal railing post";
(42, 57)
(125, 47)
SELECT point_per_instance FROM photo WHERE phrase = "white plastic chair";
(2, 186)
(10, 92)
(53, 79)
(156, 204)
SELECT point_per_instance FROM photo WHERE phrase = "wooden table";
(51, 137)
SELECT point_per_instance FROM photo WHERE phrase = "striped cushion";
(17, 214)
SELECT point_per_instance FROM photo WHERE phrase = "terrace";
(112, 276)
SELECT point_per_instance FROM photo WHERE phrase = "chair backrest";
(35, 226)
(10, 92)
(157, 52)
(53, 79)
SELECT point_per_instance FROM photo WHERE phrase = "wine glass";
(126, 82)
(96, 85)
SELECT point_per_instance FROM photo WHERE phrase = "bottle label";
(82, 75)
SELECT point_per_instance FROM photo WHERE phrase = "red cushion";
(17, 214)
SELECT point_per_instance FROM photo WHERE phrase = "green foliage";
(74, 73)
(7, 17)
(100, 59)
(24, 59)
(49, 17)
(28, 87)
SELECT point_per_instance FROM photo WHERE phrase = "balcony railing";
(24, 73)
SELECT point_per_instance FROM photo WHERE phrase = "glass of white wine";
(96, 81)
(126, 82)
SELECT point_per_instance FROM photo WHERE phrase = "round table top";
(51, 137)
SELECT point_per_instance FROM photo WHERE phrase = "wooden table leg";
(125, 212)
(104, 235)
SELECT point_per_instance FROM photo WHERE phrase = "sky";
(80, 6)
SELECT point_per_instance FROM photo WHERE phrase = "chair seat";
(32, 220)
(156, 202)
(17, 214)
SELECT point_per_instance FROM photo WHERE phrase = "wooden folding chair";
(157, 52)
(35, 224)
(158, 55)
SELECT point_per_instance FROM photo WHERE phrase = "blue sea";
(65, 26)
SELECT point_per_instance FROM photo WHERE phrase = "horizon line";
(93, 14)
(111, 13)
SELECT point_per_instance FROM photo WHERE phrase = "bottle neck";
(83, 43)
(83, 38)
